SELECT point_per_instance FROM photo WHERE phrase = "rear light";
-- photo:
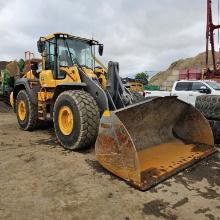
(147, 93)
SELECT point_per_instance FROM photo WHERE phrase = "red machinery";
(209, 73)
(210, 40)
(28, 57)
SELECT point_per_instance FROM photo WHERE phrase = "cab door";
(182, 91)
(195, 91)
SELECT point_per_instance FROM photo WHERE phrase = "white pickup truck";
(188, 90)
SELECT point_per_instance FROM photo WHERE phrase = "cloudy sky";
(141, 35)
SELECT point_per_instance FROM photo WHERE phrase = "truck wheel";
(137, 97)
(76, 119)
(209, 106)
(215, 125)
(27, 114)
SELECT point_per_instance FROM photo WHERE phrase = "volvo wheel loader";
(143, 143)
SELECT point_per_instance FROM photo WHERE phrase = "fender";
(89, 86)
(67, 86)
(25, 84)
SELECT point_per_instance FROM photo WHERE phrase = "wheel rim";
(66, 120)
(21, 110)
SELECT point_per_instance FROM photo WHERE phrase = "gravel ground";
(40, 180)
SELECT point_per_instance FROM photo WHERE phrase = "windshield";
(214, 85)
(73, 51)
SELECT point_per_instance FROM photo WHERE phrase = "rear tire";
(76, 119)
(27, 113)
(209, 106)
(215, 125)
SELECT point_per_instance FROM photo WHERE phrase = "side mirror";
(205, 90)
(101, 48)
(41, 45)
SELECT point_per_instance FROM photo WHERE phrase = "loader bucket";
(148, 142)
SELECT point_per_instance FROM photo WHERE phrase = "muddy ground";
(40, 180)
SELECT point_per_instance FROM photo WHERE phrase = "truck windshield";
(214, 85)
(73, 51)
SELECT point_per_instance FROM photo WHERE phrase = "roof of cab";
(53, 35)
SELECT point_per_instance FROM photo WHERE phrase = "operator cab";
(61, 51)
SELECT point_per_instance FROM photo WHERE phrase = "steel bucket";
(152, 140)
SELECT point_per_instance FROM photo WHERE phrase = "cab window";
(183, 86)
(197, 85)
(49, 59)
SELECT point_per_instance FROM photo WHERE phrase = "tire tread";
(33, 112)
(89, 118)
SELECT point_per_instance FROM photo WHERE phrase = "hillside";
(193, 62)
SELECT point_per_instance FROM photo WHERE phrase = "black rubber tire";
(86, 119)
(215, 125)
(137, 97)
(209, 106)
(31, 120)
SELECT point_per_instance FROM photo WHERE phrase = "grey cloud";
(141, 35)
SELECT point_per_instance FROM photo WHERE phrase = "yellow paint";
(154, 162)
(135, 86)
(47, 79)
(168, 157)
(72, 74)
(12, 100)
(101, 74)
(21, 110)
(89, 73)
(103, 81)
(43, 96)
(98, 73)
(29, 75)
(66, 120)
(106, 113)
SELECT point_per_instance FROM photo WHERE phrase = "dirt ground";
(41, 180)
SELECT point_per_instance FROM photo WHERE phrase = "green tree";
(142, 77)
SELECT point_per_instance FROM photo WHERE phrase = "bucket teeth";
(149, 142)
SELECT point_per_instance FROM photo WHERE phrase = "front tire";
(27, 115)
(76, 119)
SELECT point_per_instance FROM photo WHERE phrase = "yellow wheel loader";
(143, 143)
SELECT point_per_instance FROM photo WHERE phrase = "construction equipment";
(214, 73)
(133, 85)
(142, 143)
(5, 84)
(8, 77)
